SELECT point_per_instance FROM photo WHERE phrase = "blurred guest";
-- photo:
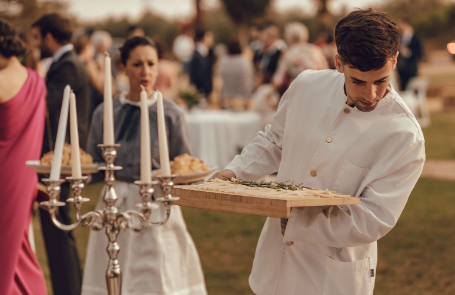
(237, 74)
(134, 31)
(22, 110)
(141, 256)
(411, 52)
(52, 33)
(299, 57)
(101, 42)
(86, 52)
(202, 62)
(166, 81)
(330, 50)
(92, 55)
(257, 45)
(273, 49)
(183, 47)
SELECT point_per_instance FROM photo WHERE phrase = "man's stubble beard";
(361, 107)
(45, 52)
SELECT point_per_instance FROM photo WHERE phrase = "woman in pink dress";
(22, 113)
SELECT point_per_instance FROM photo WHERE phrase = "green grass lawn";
(416, 257)
(440, 136)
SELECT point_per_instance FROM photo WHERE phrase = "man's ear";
(122, 68)
(49, 38)
(395, 61)
(338, 63)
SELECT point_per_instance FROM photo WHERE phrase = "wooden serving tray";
(252, 205)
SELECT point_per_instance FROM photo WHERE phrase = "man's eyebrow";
(355, 79)
(383, 78)
(358, 80)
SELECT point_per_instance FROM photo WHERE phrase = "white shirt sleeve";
(382, 202)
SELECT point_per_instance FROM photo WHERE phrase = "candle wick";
(106, 53)
(142, 87)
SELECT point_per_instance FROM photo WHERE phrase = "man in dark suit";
(411, 52)
(200, 66)
(273, 48)
(52, 34)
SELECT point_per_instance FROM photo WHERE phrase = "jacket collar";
(64, 49)
(123, 100)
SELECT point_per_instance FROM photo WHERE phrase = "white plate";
(65, 170)
(193, 177)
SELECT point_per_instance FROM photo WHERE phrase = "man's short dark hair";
(367, 39)
(59, 27)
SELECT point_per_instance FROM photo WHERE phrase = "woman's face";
(142, 68)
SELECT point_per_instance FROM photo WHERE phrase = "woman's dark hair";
(132, 43)
(57, 25)
(367, 39)
(10, 42)
(234, 48)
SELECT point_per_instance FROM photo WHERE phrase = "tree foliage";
(245, 11)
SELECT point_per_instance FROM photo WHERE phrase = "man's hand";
(223, 175)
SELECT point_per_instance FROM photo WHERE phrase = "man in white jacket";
(346, 130)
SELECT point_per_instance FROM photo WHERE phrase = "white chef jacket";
(317, 139)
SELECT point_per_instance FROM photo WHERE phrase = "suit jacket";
(409, 64)
(68, 70)
(201, 73)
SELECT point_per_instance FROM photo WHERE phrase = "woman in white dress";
(161, 260)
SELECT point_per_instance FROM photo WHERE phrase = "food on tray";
(47, 158)
(266, 189)
(186, 164)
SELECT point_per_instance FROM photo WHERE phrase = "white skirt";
(157, 261)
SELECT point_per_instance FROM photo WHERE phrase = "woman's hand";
(223, 175)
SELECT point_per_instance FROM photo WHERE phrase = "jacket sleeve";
(55, 89)
(263, 155)
(382, 202)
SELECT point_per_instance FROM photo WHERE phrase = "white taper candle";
(75, 153)
(108, 117)
(162, 137)
(146, 166)
(61, 131)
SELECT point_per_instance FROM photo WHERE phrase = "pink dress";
(21, 136)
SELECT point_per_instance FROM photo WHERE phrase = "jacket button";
(289, 243)
(347, 111)
(313, 173)
(328, 139)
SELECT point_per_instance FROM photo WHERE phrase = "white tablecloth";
(217, 136)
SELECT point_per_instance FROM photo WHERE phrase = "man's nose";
(370, 93)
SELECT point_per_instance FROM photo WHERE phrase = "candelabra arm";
(86, 220)
(128, 217)
(166, 217)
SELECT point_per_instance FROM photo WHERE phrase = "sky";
(98, 9)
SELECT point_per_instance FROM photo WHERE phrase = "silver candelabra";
(110, 218)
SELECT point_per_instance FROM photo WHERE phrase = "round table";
(217, 136)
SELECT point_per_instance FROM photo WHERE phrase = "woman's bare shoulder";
(11, 81)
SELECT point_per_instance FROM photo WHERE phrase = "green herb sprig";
(284, 185)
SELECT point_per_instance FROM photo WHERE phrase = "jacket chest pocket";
(350, 178)
(347, 278)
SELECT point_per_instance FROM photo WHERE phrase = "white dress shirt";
(61, 51)
(318, 140)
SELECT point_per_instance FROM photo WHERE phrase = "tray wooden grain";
(252, 205)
